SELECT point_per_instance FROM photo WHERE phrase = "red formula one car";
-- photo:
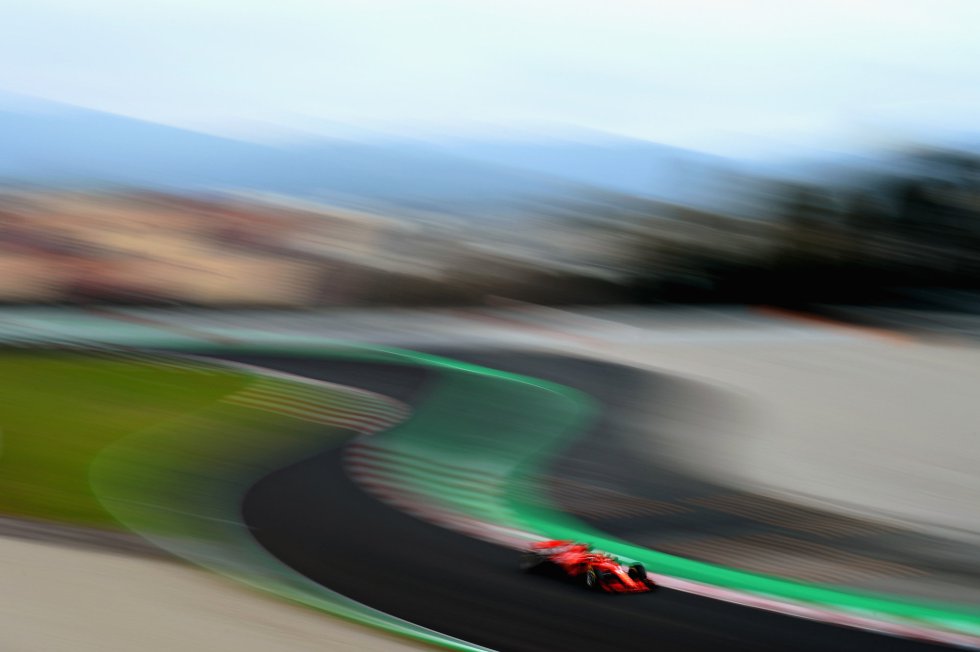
(597, 570)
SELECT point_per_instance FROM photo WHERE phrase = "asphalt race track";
(313, 517)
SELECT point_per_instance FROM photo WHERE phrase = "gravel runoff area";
(57, 599)
(871, 423)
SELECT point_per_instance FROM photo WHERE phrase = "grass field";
(57, 411)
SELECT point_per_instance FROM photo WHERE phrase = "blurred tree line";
(916, 225)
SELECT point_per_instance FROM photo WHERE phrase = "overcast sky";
(709, 74)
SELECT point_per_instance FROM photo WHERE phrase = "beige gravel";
(872, 425)
(58, 599)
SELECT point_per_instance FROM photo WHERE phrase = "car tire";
(638, 572)
(591, 580)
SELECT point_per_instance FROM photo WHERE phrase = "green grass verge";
(57, 411)
(150, 445)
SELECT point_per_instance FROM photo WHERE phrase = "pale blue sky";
(709, 74)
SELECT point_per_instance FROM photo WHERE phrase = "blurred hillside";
(101, 208)
(54, 145)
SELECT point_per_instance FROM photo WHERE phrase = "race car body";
(597, 570)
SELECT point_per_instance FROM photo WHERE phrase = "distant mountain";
(615, 163)
(70, 146)
(66, 145)
(57, 144)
